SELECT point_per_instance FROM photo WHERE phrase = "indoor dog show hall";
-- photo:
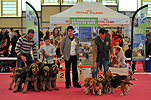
(75, 49)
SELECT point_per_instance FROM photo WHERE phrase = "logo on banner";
(105, 21)
(29, 15)
(143, 18)
(89, 12)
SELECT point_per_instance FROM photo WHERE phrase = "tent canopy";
(106, 16)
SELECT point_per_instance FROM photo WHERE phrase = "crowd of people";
(55, 44)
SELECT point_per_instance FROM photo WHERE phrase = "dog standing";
(21, 73)
(53, 76)
(86, 84)
(31, 76)
(44, 77)
(123, 81)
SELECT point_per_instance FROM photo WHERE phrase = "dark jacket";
(13, 43)
(120, 44)
(101, 49)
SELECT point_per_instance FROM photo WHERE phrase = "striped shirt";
(24, 46)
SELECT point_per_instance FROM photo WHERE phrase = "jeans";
(105, 66)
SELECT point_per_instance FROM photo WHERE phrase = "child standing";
(48, 52)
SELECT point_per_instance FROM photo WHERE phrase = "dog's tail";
(127, 82)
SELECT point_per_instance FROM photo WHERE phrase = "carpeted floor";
(141, 91)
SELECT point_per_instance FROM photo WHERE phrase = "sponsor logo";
(89, 12)
(105, 21)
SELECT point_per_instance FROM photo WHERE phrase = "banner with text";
(32, 21)
(84, 22)
(139, 35)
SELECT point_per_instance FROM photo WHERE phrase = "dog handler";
(100, 49)
(70, 52)
(23, 49)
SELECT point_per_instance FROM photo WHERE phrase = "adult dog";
(21, 72)
(86, 84)
(94, 83)
(121, 80)
(31, 76)
(44, 77)
(53, 76)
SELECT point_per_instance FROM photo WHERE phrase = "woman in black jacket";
(14, 41)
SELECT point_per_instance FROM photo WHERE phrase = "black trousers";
(73, 60)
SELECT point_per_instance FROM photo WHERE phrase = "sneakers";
(77, 85)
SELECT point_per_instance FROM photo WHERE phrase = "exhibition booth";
(86, 15)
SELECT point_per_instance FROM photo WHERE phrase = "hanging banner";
(32, 21)
(139, 35)
(84, 22)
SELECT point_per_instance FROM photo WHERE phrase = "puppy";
(86, 84)
(53, 76)
(121, 80)
(31, 76)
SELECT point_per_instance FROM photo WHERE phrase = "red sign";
(105, 21)
(89, 12)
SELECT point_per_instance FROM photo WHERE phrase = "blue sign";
(85, 32)
(29, 15)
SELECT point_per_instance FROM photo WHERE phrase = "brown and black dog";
(44, 77)
(86, 84)
(121, 80)
(94, 83)
(31, 76)
(53, 76)
(108, 88)
(21, 73)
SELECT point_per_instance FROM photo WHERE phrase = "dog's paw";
(23, 92)
(14, 91)
(86, 92)
(99, 93)
(9, 89)
(121, 94)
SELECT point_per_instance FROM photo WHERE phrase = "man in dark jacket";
(100, 49)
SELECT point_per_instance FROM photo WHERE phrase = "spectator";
(118, 35)
(11, 33)
(41, 34)
(100, 49)
(3, 49)
(107, 33)
(116, 39)
(56, 37)
(70, 51)
(113, 34)
(3, 36)
(14, 41)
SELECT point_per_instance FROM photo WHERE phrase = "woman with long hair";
(56, 37)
